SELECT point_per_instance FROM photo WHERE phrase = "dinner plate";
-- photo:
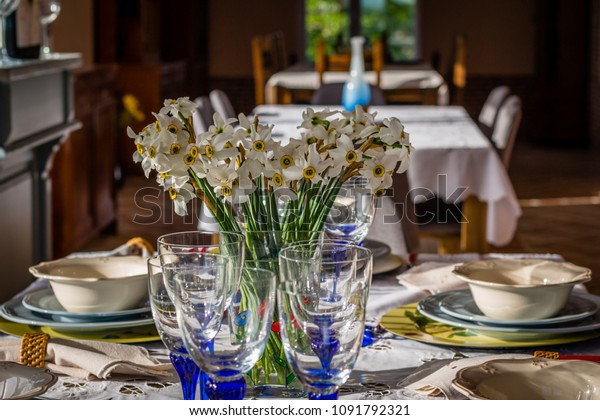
(379, 249)
(19, 382)
(430, 307)
(127, 335)
(45, 302)
(530, 379)
(13, 310)
(387, 263)
(460, 304)
(407, 322)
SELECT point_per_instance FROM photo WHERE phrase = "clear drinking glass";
(352, 212)
(49, 11)
(228, 353)
(322, 300)
(165, 319)
(6, 8)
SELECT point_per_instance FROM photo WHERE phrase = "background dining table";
(452, 159)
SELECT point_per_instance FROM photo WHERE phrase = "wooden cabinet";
(83, 171)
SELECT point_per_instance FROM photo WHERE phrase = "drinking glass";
(165, 319)
(6, 8)
(352, 212)
(49, 11)
(322, 299)
(228, 353)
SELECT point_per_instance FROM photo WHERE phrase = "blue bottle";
(356, 89)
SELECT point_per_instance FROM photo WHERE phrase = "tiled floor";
(567, 227)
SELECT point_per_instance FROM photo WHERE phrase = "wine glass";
(49, 11)
(228, 353)
(322, 299)
(165, 319)
(352, 211)
(6, 8)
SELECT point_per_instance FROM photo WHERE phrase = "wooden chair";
(489, 110)
(222, 104)
(203, 117)
(459, 70)
(268, 57)
(374, 59)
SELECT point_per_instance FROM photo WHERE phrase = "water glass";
(49, 11)
(352, 212)
(6, 8)
(228, 353)
(165, 319)
(321, 300)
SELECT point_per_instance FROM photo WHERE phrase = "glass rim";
(227, 259)
(203, 232)
(368, 254)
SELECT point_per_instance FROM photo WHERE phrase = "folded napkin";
(432, 277)
(93, 359)
(439, 383)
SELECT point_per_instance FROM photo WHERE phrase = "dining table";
(405, 362)
(452, 159)
(419, 83)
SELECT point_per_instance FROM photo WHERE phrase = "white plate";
(45, 302)
(430, 307)
(21, 382)
(14, 311)
(530, 379)
(388, 263)
(379, 249)
(460, 304)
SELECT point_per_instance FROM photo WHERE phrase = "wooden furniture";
(83, 171)
(36, 99)
(459, 70)
(268, 57)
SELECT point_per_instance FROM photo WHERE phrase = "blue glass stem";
(332, 396)
(189, 374)
(225, 390)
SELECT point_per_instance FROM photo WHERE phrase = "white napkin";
(439, 383)
(432, 277)
(93, 359)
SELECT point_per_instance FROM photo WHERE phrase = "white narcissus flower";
(314, 165)
(393, 132)
(180, 197)
(343, 155)
(181, 105)
(221, 132)
(378, 168)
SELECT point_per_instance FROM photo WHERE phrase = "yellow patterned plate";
(130, 335)
(407, 322)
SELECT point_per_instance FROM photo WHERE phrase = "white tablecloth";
(451, 154)
(392, 78)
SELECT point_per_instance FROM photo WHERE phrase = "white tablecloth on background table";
(451, 153)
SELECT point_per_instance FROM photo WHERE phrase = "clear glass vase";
(356, 89)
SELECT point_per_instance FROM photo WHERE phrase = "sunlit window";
(393, 20)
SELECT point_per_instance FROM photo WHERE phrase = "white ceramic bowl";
(99, 284)
(521, 289)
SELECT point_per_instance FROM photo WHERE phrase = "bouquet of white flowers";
(253, 183)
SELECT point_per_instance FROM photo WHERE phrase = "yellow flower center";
(378, 171)
(172, 128)
(209, 151)
(152, 152)
(157, 126)
(402, 135)
(351, 156)
(379, 193)
(140, 149)
(175, 149)
(194, 151)
(286, 161)
(309, 172)
(172, 193)
(173, 102)
(278, 180)
(189, 159)
(311, 140)
(258, 146)
(164, 175)
(226, 191)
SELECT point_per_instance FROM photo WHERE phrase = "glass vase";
(356, 89)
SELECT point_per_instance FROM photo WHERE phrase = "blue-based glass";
(322, 298)
(356, 91)
(228, 353)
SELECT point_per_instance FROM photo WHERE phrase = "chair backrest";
(489, 110)
(374, 59)
(221, 104)
(203, 117)
(507, 126)
(331, 94)
(459, 69)
(268, 57)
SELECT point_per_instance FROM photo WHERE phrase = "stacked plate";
(40, 311)
(457, 309)
(383, 259)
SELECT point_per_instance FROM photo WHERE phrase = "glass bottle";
(356, 89)
(23, 31)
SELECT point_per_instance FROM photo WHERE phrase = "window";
(337, 20)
